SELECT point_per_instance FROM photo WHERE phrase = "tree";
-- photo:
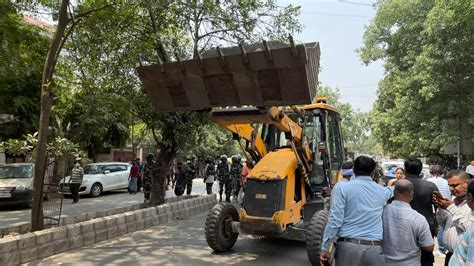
(22, 51)
(231, 22)
(108, 46)
(427, 92)
(96, 120)
(68, 18)
(212, 140)
(355, 125)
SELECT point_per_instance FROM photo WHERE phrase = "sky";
(339, 26)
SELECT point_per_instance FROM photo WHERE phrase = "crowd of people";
(369, 223)
(231, 177)
(372, 224)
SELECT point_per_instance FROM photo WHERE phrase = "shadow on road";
(183, 243)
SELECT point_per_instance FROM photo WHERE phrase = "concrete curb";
(41, 244)
(23, 228)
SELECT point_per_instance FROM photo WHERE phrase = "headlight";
(21, 187)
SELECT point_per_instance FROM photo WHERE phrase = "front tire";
(219, 235)
(314, 235)
(96, 190)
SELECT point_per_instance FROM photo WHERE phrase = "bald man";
(405, 231)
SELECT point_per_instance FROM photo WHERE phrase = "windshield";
(16, 171)
(93, 169)
(313, 136)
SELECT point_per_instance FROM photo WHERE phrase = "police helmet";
(223, 157)
(236, 158)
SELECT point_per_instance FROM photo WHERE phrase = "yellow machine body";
(259, 93)
(269, 202)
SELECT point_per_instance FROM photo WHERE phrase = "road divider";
(103, 226)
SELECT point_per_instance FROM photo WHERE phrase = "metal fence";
(52, 205)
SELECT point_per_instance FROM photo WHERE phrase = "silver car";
(100, 177)
(16, 183)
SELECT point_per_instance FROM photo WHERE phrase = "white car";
(100, 177)
(16, 183)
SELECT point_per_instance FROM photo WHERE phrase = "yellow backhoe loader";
(263, 94)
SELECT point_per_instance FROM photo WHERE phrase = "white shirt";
(455, 220)
(470, 169)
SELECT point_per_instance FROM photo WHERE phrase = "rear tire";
(96, 190)
(314, 235)
(219, 235)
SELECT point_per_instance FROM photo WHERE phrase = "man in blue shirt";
(355, 218)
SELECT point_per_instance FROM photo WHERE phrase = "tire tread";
(212, 226)
(314, 235)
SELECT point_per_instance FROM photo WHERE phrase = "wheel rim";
(96, 190)
(225, 230)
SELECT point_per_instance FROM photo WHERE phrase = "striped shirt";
(464, 250)
(77, 174)
(442, 185)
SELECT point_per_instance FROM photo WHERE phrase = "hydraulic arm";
(239, 121)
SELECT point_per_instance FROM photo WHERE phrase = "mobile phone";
(437, 194)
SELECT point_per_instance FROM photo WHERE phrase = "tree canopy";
(22, 51)
(105, 48)
(425, 98)
(355, 125)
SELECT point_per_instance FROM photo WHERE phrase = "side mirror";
(106, 171)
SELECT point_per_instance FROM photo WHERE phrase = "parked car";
(16, 183)
(100, 177)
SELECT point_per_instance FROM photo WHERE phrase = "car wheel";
(96, 190)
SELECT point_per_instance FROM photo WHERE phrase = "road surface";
(182, 243)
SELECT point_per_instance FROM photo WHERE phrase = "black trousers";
(189, 186)
(139, 184)
(236, 187)
(427, 258)
(74, 187)
(448, 257)
(209, 188)
(227, 185)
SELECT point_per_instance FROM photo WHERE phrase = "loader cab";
(323, 133)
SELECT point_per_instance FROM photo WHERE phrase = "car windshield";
(93, 169)
(16, 171)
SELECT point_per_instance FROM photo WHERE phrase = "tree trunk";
(160, 171)
(37, 222)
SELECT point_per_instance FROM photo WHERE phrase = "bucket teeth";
(272, 74)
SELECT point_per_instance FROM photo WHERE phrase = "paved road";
(182, 243)
(10, 216)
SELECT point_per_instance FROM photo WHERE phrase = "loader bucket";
(261, 75)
